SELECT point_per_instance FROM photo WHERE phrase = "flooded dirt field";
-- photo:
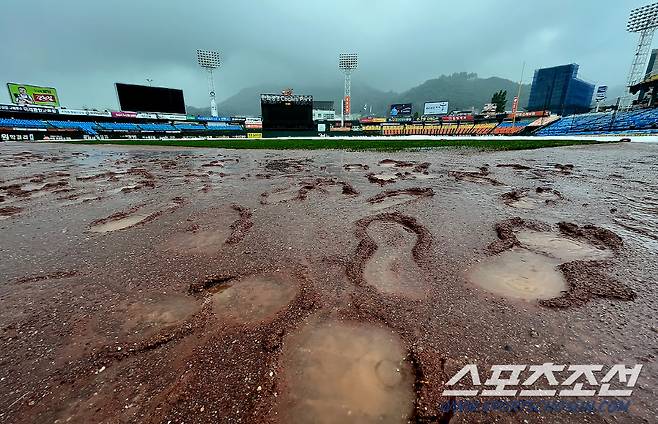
(169, 285)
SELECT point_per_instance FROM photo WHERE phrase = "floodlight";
(347, 62)
(209, 60)
(643, 20)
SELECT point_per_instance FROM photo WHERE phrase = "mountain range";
(463, 91)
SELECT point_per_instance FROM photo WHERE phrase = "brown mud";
(321, 308)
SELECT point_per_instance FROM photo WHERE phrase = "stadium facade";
(559, 90)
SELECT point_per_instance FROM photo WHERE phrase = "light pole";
(644, 21)
(209, 60)
(347, 62)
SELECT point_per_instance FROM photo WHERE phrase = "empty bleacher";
(510, 128)
(23, 123)
(157, 127)
(118, 126)
(643, 121)
(89, 128)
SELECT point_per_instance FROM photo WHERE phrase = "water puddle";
(149, 317)
(206, 241)
(560, 247)
(346, 373)
(119, 224)
(392, 268)
(520, 274)
(253, 299)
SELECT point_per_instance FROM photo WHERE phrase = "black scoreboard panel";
(143, 98)
(281, 112)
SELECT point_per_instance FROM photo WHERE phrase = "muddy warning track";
(151, 285)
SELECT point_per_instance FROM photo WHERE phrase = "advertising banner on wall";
(453, 118)
(103, 113)
(400, 110)
(76, 112)
(147, 115)
(435, 108)
(33, 109)
(347, 106)
(172, 116)
(32, 95)
(124, 114)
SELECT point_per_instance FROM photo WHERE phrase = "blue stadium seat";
(118, 126)
(189, 126)
(157, 127)
(89, 128)
(22, 123)
(643, 121)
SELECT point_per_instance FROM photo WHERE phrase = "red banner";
(347, 108)
(515, 105)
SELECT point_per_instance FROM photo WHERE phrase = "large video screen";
(400, 110)
(142, 98)
(287, 113)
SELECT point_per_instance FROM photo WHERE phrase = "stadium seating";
(189, 126)
(643, 121)
(89, 128)
(118, 126)
(224, 128)
(510, 128)
(22, 123)
(482, 129)
(157, 127)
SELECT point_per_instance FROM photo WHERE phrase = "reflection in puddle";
(253, 299)
(347, 373)
(560, 247)
(520, 274)
(392, 268)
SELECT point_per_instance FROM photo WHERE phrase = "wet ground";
(156, 285)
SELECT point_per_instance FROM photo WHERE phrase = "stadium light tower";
(209, 60)
(644, 21)
(347, 62)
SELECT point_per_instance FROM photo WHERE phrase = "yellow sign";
(254, 135)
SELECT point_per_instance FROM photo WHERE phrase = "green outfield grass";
(360, 144)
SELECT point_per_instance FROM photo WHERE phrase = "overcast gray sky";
(82, 47)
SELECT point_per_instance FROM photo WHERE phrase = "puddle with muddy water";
(392, 268)
(560, 247)
(149, 317)
(253, 299)
(206, 241)
(346, 373)
(119, 224)
(520, 274)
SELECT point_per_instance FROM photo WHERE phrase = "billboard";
(32, 95)
(143, 98)
(400, 110)
(435, 108)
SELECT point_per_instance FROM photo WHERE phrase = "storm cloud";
(83, 47)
